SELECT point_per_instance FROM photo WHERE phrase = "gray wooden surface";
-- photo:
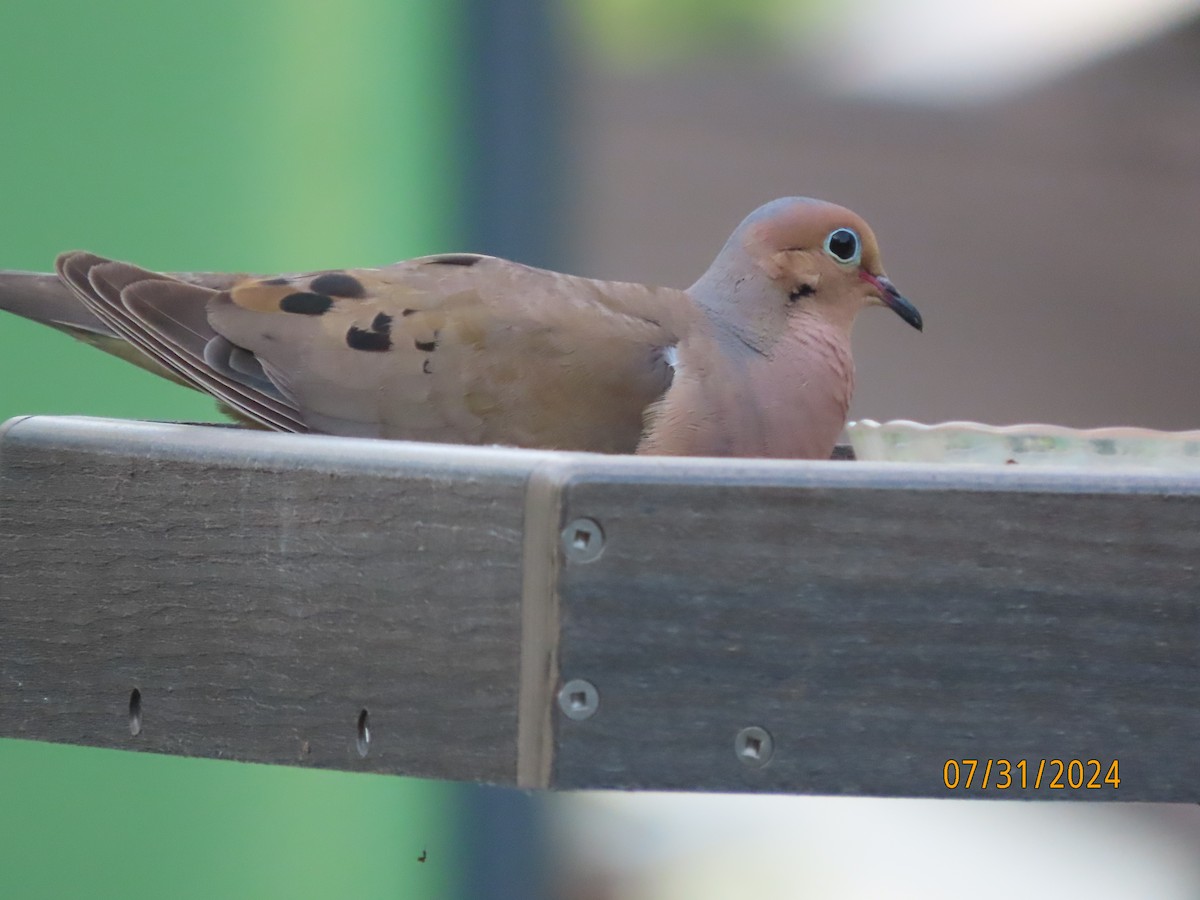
(260, 593)
(260, 590)
(876, 633)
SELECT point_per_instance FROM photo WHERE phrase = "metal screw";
(754, 746)
(583, 540)
(578, 699)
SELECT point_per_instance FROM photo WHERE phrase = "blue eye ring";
(844, 245)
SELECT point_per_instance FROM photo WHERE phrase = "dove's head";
(798, 257)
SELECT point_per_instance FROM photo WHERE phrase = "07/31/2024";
(1023, 774)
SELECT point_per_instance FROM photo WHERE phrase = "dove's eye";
(843, 245)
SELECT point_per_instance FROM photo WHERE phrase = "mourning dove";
(752, 360)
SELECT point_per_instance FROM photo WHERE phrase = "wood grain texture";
(878, 623)
(259, 592)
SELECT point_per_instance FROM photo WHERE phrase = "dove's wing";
(459, 348)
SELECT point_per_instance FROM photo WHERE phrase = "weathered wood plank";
(259, 592)
(879, 621)
(875, 621)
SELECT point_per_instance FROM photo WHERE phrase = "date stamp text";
(1031, 774)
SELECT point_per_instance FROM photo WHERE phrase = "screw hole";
(135, 712)
(364, 733)
(754, 746)
(582, 540)
(578, 699)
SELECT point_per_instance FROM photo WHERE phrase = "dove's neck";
(733, 285)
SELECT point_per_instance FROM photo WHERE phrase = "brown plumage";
(752, 360)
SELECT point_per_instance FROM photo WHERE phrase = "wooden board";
(878, 622)
(862, 623)
(259, 592)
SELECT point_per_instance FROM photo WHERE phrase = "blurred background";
(1032, 170)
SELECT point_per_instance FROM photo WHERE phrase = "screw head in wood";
(583, 540)
(754, 746)
(578, 699)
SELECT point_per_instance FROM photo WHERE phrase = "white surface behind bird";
(752, 360)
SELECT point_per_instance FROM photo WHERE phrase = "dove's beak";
(894, 300)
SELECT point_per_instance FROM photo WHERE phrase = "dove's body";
(473, 349)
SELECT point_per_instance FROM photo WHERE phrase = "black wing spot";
(361, 339)
(306, 304)
(276, 282)
(425, 367)
(376, 338)
(407, 312)
(455, 259)
(339, 284)
(426, 346)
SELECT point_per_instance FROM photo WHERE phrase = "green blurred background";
(224, 135)
(220, 135)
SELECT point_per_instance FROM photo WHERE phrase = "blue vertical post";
(518, 161)
(515, 205)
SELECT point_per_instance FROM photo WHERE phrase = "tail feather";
(157, 322)
(166, 319)
(44, 298)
